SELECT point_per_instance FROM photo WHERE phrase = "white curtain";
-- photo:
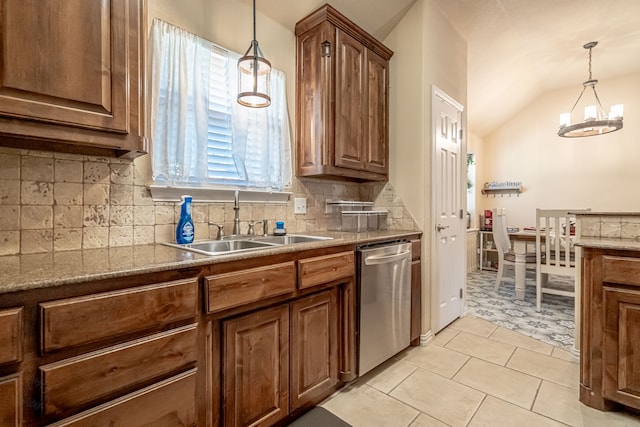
(179, 102)
(260, 137)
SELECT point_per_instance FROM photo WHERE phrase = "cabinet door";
(349, 103)
(313, 97)
(377, 136)
(621, 358)
(314, 348)
(73, 64)
(11, 401)
(256, 368)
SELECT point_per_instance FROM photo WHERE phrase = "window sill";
(162, 193)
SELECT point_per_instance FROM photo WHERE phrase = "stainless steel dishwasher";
(384, 297)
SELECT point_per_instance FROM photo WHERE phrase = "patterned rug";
(554, 324)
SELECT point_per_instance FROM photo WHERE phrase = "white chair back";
(555, 253)
(500, 234)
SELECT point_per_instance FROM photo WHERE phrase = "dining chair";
(506, 257)
(555, 252)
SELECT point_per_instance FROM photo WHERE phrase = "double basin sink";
(245, 243)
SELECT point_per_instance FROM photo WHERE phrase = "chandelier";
(596, 121)
(254, 74)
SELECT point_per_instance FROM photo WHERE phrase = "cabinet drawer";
(165, 404)
(229, 290)
(91, 318)
(10, 335)
(73, 382)
(324, 269)
(11, 401)
(623, 270)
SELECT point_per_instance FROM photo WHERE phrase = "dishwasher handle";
(374, 260)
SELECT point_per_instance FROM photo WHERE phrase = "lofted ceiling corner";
(517, 49)
(520, 49)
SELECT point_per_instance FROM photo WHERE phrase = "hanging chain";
(589, 61)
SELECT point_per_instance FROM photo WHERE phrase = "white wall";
(428, 51)
(601, 172)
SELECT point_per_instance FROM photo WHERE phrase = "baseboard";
(426, 338)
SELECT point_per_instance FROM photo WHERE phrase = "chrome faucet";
(220, 233)
(251, 231)
(236, 219)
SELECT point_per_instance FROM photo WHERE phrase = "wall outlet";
(299, 205)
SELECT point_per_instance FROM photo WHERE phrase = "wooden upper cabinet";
(72, 75)
(350, 105)
(377, 134)
(342, 100)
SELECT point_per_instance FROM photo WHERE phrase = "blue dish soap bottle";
(185, 231)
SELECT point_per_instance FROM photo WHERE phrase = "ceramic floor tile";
(562, 403)
(361, 405)
(435, 359)
(495, 412)
(546, 367)
(475, 326)
(503, 383)
(482, 348)
(425, 420)
(563, 354)
(439, 397)
(508, 336)
(388, 375)
(444, 336)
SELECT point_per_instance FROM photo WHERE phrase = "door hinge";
(460, 133)
(460, 292)
(461, 214)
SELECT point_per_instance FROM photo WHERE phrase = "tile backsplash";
(57, 202)
(610, 226)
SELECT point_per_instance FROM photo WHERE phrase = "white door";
(449, 213)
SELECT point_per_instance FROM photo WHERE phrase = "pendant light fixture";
(254, 74)
(596, 121)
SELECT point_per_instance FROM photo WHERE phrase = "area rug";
(319, 417)
(553, 324)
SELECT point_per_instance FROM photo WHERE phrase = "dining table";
(519, 240)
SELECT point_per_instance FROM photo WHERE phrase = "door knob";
(440, 227)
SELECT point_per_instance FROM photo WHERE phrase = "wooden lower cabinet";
(11, 401)
(610, 339)
(256, 368)
(168, 403)
(314, 345)
(279, 359)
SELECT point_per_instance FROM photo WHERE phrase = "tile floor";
(473, 373)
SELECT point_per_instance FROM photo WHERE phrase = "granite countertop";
(609, 243)
(596, 213)
(33, 271)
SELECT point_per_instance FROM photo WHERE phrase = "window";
(201, 136)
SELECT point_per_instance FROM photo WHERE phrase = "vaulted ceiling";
(517, 49)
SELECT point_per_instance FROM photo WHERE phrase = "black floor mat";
(319, 417)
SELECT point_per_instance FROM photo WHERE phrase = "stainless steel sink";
(245, 243)
(218, 247)
(290, 239)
